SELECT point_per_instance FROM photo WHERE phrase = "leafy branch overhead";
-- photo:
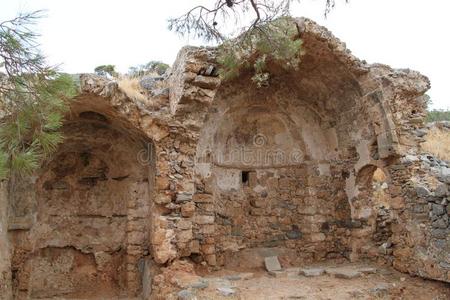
(264, 30)
(274, 42)
(33, 98)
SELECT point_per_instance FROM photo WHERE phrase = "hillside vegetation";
(438, 115)
(437, 142)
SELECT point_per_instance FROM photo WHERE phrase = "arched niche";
(302, 205)
(92, 206)
(265, 135)
(256, 137)
(373, 210)
(373, 187)
(268, 161)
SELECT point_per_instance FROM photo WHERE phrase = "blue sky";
(81, 34)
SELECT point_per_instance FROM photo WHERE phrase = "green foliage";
(274, 42)
(261, 78)
(157, 66)
(105, 70)
(33, 100)
(151, 67)
(266, 28)
(3, 164)
(230, 63)
(438, 115)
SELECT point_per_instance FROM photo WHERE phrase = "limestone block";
(437, 209)
(164, 254)
(202, 198)
(211, 259)
(184, 236)
(345, 273)
(441, 190)
(186, 295)
(206, 82)
(202, 220)
(318, 237)
(422, 191)
(278, 274)
(312, 272)
(136, 237)
(184, 224)
(272, 263)
(162, 183)
(207, 229)
(188, 209)
(183, 197)
(285, 183)
(272, 183)
(306, 210)
(158, 236)
(226, 291)
(208, 249)
(194, 246)
(163, 199)
(156, 132)
(257, 211)
(252, 179)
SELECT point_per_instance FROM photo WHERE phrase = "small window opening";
(245, 177)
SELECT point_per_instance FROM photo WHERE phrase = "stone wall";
(288, 153)
(422, 231)
(284, 207)
(209, 169)
(80, 227)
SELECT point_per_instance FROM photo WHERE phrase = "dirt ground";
(244, 283)
(257, 284)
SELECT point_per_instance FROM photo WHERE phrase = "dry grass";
(437, 142)
(131, 87)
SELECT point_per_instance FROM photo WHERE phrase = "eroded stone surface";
(323, 164)
(345, 273)
(272, 264)
(312, 272)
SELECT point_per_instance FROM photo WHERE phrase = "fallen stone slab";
(186, 295)
(278, 274)
(343, 273)
(293, 272)
(199, 285)
(240, 276)
(234, 277)
(226, 291)
(367, 270)
(272, 263)
(312, 272)
(219, 283)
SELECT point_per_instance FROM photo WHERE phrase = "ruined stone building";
(322, 164)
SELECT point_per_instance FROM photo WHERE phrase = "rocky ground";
(345, 281)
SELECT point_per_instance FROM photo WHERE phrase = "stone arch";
(278, 205)
(89, 233)
(266, 136)
(372, 210)
(372, 182)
